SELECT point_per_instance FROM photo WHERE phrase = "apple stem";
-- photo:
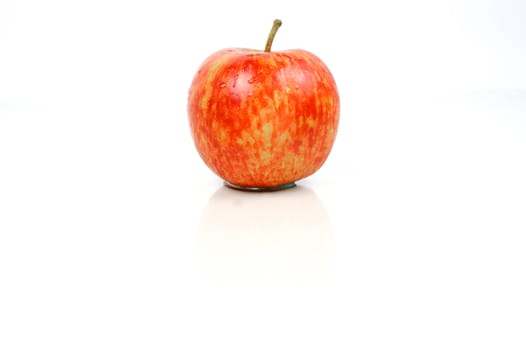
(272, 34)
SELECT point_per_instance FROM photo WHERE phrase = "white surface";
(114, 235)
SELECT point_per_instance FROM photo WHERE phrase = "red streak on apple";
(263, 119)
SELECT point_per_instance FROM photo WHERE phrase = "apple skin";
(263, 119)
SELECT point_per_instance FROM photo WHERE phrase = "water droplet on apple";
(235, 80)
(253, 79)
(222, 85)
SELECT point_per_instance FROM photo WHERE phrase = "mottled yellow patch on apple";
(284, 138)
(267, 134)
(266, 157)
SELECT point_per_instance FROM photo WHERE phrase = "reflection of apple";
(284, 235)
(263, 119)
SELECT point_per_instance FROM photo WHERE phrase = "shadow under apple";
(284, 235)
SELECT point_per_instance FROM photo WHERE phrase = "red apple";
(262, 120)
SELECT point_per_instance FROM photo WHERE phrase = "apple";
(262, 119)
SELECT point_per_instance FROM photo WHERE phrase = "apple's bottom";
(260, 189)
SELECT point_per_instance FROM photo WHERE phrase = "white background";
(115, 235)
